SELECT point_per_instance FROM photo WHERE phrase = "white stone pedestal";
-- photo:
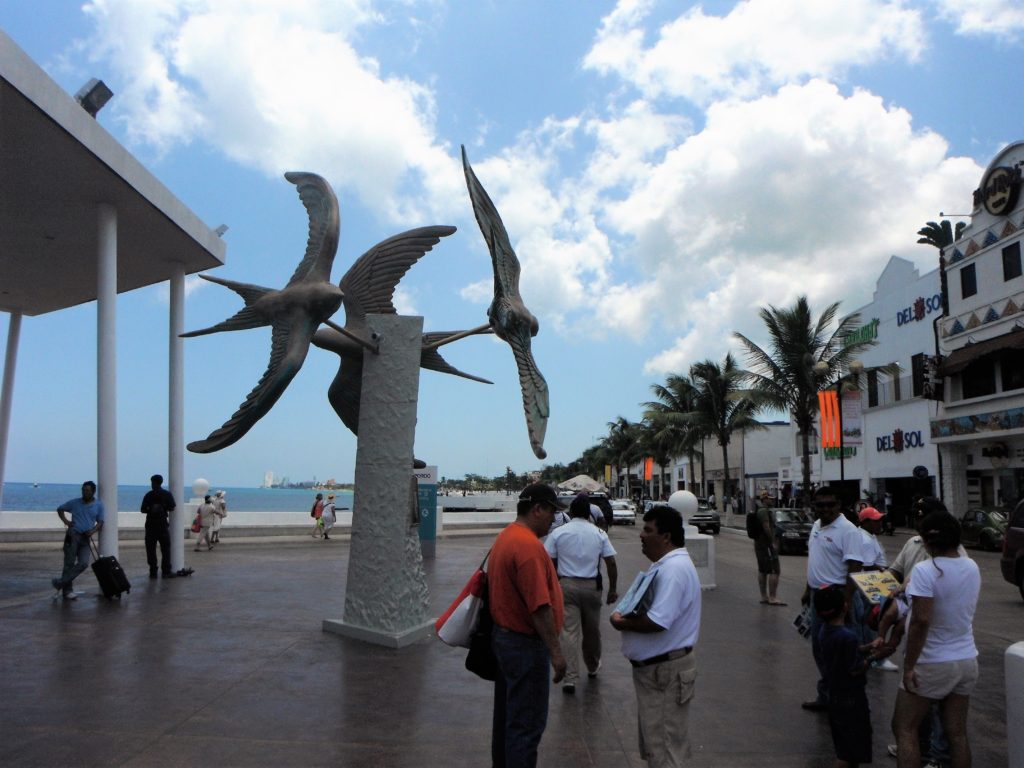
(386, 598)
(1015, 704)
(701, 547)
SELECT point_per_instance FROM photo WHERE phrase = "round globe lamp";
(199, 487)
(683, 502)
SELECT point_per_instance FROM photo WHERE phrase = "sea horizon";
(46, 497)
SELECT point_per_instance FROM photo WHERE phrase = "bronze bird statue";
(510, 320)
(369, 286)
(294, 313)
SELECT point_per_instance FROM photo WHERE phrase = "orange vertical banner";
(648, 468)
(829, 405)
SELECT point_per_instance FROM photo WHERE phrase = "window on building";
(1011, 367)
(872, 389)
(979, 378)
(1011, 261)
(968, 281)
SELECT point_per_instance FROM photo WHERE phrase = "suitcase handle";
(95, 549)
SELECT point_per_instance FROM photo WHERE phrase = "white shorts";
(937, 681)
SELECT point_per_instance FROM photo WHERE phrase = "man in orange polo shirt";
(528, 612)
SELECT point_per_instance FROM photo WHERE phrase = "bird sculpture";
(509, 318)
(368, 288)
(294, 312)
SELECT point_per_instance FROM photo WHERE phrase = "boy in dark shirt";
(848, 715)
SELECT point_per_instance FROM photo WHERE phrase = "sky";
(664, 170)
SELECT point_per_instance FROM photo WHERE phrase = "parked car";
(793, 527)
(1012, 561)
(623, 512)
(983, 527)
(705, 519)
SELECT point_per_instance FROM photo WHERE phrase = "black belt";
(678, 654)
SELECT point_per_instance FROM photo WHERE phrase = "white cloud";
(193, 283)
(405, 301)
(683, 236)
(277, 87)
(1002, 18)
(758, 45)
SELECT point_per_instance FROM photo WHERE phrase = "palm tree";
(669, 415)
(940, 234)
(783, 377)
(722, 405)
(622, 444)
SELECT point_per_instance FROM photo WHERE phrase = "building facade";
(980, 426)
(887, 446)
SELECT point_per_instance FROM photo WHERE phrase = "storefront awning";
(959, 359)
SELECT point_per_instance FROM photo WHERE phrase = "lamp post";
(856, 367)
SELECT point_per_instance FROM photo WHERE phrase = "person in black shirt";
(157, 504)
(849, 717)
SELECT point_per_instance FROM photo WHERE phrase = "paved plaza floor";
(230, 667)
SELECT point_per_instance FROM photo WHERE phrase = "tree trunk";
(703, 478)
(805, 447)
(725, 481)
(693, 478)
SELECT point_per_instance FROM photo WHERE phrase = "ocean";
(27, 497)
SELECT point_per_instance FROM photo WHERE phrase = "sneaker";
(70, 595)
(596, 670)
(931, 764)
(891, 749)
(56, 583)
(886, 666)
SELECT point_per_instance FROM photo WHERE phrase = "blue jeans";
(520, 698)
(76, 558)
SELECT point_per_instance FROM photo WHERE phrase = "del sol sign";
(899, 440)
(919, 309)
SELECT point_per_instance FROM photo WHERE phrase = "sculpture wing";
(534, 387)
(247, 317)
(432, 360)
(503, 257)
(345, 391)
(289, 345)
(369, 284)
(324, 222)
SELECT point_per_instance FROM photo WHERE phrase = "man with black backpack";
(157, 504)
(761, 528)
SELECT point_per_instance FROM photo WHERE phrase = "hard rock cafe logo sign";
(998, 192)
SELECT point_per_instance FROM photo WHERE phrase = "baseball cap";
(870, 513)
(541, 493)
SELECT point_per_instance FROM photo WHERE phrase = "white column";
(954, 475)
(106, 373)
(176, 416)
(7, 392)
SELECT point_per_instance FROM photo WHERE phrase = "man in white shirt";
(658, 639)
(833, 553)
(577, 549)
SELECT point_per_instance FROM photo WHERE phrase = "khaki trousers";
(582, 618)
(663, 694)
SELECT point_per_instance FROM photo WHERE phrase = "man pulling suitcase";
(86, 519)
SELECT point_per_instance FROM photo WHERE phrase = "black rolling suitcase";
(109, 574)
